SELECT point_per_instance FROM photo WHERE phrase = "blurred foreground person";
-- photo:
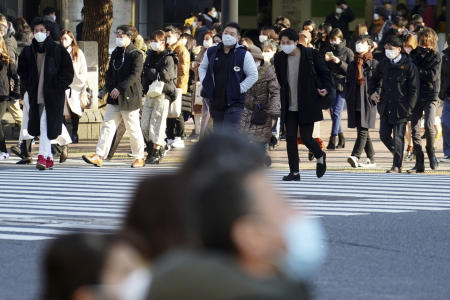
(72, 267)
(258, 249)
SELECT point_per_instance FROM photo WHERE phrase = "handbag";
(198, 99)
(156, 88)
(175, 106)
(259, 116)
(86, 97)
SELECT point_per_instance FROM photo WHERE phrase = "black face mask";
(40, 48)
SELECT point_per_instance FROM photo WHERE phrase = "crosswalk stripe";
(41, 205)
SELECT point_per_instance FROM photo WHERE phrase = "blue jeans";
(336, 113)
(445, 119)
(229, 118)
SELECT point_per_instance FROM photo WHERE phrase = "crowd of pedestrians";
(273, 86)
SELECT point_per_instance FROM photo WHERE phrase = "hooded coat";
(58, 75)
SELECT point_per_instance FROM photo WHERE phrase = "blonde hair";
(410, 41)
(428, 38)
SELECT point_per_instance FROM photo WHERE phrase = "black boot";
(341, 143)
(268, 161)
(434, 164)
(420, 161)
(25, 153)
(75, 124)
(154, 157)
(332, 143)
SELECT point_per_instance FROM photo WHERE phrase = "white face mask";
(67, 43)
(229, 40)
(376, 17)
(194, 24)
(40, 37)
(339, 10)
(262, 38)
(391, 54)
(171, 40)
(268, 55)
(120, 42)
(288, 49)
(207, 43)
(361, 47)
(214, 14)
(155, 46)
(183, 42)
(135, 285)
(54, 18)
(337, 42)
(258, 63)
(408, 49)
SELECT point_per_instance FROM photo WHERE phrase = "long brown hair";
(428, 38)
(74, 44)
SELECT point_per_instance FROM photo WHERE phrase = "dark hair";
(184, 29)
(73, 261)
(363, 39)
(400, 21)
(416, 18)
(233, 25)
(158, 35)
(49, 10)
(157, 215)
(171, 29)
(284, 21)
(309, 23)
(394, 41)
(37, 21)
(209, 8)
(218, 36)
(216, 168)
(336, 33)
(340, 2)
(290, 33)
(191, 42)
(128, 30)
(218, 27)
(326, 27)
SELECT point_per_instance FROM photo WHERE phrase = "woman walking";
(360, 109)
(4, 92)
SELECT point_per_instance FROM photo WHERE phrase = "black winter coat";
(53, 27)
(310, 110)
(339, 71)
(428, 64)
(399, 88)
(13, 77)
(445, 75)
(58, 75)
(342, 23)
(368, 109)
(163, 64)
(124, 74)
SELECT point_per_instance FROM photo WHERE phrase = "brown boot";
(138, 163)
(93, 160)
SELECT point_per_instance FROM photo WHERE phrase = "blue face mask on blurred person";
(305, 248)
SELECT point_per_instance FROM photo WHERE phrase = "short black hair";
(309, 23)
(327, 27)
(394, 41)
(416, 18)
(290, 33)
(127, 29)
(340, 2)
(363, 39)
(234, 25)
(37, 21)
(49, 10)
(400, 21)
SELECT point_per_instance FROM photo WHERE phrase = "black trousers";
(3, 106)
(429, 108)
(393, 137)
(306, 130)
(175, 127)
(363, 141)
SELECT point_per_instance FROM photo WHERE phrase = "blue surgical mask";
(306, 248)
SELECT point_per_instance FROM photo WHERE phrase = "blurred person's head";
(72, 267)
(380, 15)
(340, 6)
(387, 4)
(267, 33)
(304, 38)
(185, 29)
(416, 21)
(428, 38)
(68, 41)
(402, 10)
(217, 28)
(188, 41)
(231, 34)
(361, 29)
(217, 39)
(324, 30)
(410, 43)
(211, 10)
(288, 40)
(50, 12)
(399, 24)
(172, 35)
(336, 37)
(247, 42)
(208, 40)
(285, 22)
(124, 35)
(269, 48)
(158, 41)
(309, 25)
(256, 225)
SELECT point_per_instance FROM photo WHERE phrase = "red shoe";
(41, 163)
(49, 163)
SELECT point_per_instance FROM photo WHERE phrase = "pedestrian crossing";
(41, 205)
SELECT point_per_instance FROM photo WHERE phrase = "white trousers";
(154, 119)
(45, 145)
(113, 117)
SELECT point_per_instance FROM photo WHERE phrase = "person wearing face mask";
(124, 99)
(160, 65)
(267, 33)
(341, 17)
(175, 126)
(4, 89)
(361, 111)
(262, 104)
(322, 42)
(301, 92)
(46, 70)
(337, 57)
(398, 28)
(201, 30)
(398, 78)
(227, 72)
(380, 25)
(211, 17)
(50, 23)
(259, 248)
(428, 61)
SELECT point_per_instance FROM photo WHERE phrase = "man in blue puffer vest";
(227, 72)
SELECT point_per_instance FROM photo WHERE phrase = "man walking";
(399, 80)
(300, 70)
(123, 83)
(227, 72)
(46, 71)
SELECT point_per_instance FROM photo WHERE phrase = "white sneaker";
(170, 142)
(4, 155)
(445, 159)
(353, 161)
(368, 164)
(178, 143)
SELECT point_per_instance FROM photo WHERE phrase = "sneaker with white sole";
(170, 142)
(445, 159)
(4, 155)
(368, 164)
(178, 143)
(353, 161)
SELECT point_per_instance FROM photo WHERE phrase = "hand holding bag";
(175, 106)
(156, 88)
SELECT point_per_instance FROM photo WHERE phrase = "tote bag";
(175, 106)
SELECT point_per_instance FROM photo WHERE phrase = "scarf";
(361, 59)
